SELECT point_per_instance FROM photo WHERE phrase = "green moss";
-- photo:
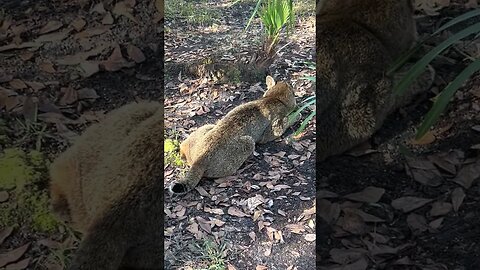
(25, 175)
(172, 155)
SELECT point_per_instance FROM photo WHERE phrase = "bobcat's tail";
(190, 180)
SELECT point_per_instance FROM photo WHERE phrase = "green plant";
(294, 116)
(447, 93)
(211, 253)
(193, 12)
(275, 16)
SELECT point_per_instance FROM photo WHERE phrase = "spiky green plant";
(447, 93)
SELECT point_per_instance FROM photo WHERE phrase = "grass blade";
(444, 97)
(304, 123)
(458, 19)
(419, 67)
(253, 14)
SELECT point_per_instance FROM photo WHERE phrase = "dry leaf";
(99, 8)
(428, 138)
(69, 96)
(261, 267)
(252, 235)
(216, 211)
(417, 223)
(352, 223)
(202, 192)
(17, 84)
(295, 228)
(365, 216)
(19, 265)
(310, 237)
(36, 86)
(58, 36)
(23, 45)
(409, 203)
(328, 211)
(13, 255)
(5, 233)
(345, 256)
(135, 54)
(78, 24)
(87, 93)
(361, 264)
(468, 174)
(369, 195)
(458, 195)
(424, 172)
(90, 32)
(440, 208)
(89, 68)
(123, 9)
(231, 267)
(47, 67)
(116, 61)
(436, 224)
(26, 56)
(30, 109)
(204, 224)
(4, 196)
(51, 26)
(108, 19)
(236, 212)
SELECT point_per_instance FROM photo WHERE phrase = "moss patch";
(172, 155)
(24, 175)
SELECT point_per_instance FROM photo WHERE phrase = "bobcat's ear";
(270, 82)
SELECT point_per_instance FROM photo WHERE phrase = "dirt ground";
(263, 217)
(63, 64)
(399, 204)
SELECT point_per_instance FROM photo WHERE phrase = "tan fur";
(109, 186)
(219, 150)
(357, 40)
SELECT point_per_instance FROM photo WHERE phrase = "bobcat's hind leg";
(231, 157)
(187, 150)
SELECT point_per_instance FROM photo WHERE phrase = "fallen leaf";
(5, 233)
(23, 45)
(236, 212)
(99, 8)
(4, 196)
(69, 96)
(458, 195)
(352, 223)
(58, 36)
(409, 203)
(423, 171)
(261, 267)
(30, 109)
(90, 32)
(19, 265)
(204, 224)
(369, 195)
(78, 24)
(231, 267)
(89, 68)
(325, 194)
(216, 211)
(47, 67)
(26, 56)
(17, 84)
(440, 208)
(417, 223)
(310, 237)
(365, 216)
(116, 61)
(328, 211)
(428, 138)
(36, 86)
(295, 228)
(252, 235)
(436, 224)
(361, 264)
(123, 9)
(13, 255)
(87, 93)
(346, 256)
(108, 19)
(50, 27)
(4, 77)
(468, 174)
(135, 54)
(471, 4)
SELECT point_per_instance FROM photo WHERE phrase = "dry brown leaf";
(26, 56)
(232, 210)
(4, 196)
(440, 208)
(87, 93)
(328, 211)
(345, 256)
(116, 61)
(36, 86)
(5, 233)
(17, 84)
(297, 228)
(216, 211)
(325, 194)
(352, 223)
(47, 67)
(108, 19)
(122, 8)
(261, 267)
(252, 235)
(436, 224)
(99, 8)
(204, 224)
(310, 237)
(202, 191)
(431, 7)
(468, 174)
(90, 32)
(231, 267)
(89, 68)
(361, 264)
(365, 216)
(428, 138)
(369, 195)
(23, 45)
(417, 223)
(458, 195)
(18, 265)
(13, 255)
(58, 36)
(409, 203)
(135, 54)
(78, 24)
(471, 4)
(69, 96)
(424, 172)
(50, 27)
